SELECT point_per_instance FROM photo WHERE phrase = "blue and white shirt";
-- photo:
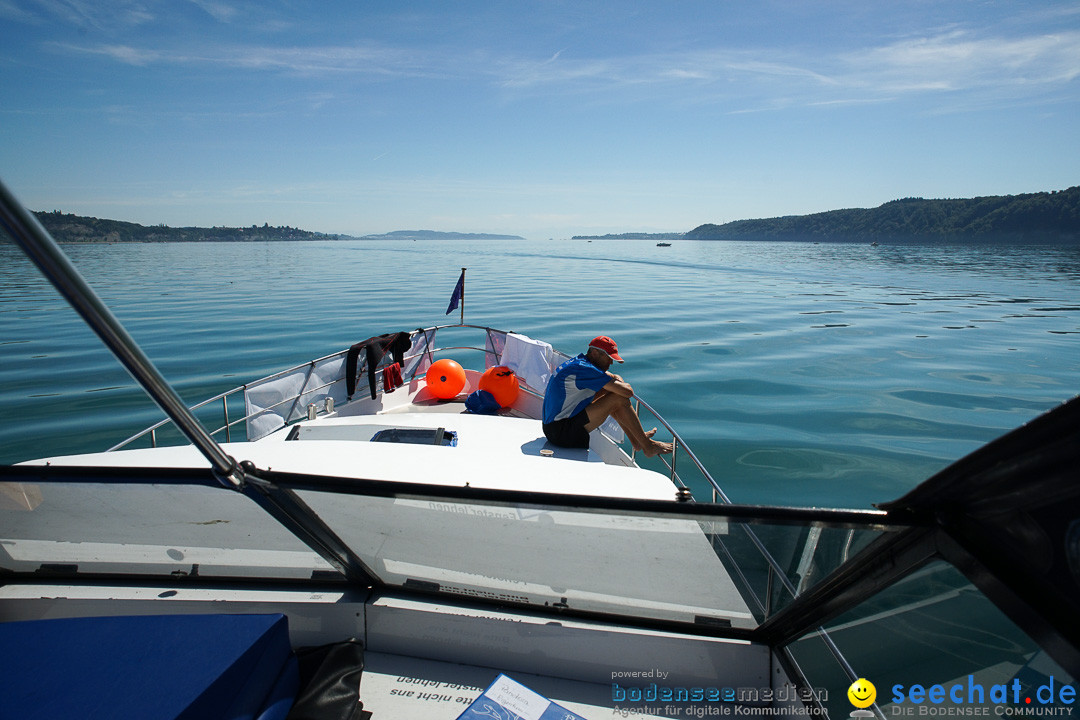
(572, 388)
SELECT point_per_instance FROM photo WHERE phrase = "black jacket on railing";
(375, 349)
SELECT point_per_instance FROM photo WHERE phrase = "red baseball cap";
(607, 345)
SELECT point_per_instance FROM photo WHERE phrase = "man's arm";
(618, 386)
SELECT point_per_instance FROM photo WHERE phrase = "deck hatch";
(375, 433)
(416, 436)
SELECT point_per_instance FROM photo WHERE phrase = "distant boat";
(873, 244)
(663, 244)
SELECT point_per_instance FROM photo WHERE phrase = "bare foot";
(653, 451)
(648, 435)
(657, 448)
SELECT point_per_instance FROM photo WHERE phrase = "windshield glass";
(170, 530)
(691, 568)
(932, 644)
(687, 568)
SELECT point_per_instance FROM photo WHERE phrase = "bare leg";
(611, 405)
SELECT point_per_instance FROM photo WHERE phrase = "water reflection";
(1047, 262)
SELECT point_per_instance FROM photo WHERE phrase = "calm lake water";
(800, 373)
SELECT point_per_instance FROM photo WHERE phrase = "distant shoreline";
(77, 229)
(1032, 218)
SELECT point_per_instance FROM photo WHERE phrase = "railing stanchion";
(225, 409)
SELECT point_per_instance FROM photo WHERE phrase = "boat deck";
(490, 452)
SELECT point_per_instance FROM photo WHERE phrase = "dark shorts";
(569, 432)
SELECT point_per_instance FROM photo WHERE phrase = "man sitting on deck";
(582, 394)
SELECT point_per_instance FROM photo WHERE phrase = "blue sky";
(541, 119)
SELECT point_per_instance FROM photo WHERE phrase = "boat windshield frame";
(953, 517)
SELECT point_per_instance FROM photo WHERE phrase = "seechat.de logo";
(1047, 696)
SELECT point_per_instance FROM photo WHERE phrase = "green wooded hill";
(1046, 217)
(74, 228)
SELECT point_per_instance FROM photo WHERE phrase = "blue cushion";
(159, 666)
(482, 402)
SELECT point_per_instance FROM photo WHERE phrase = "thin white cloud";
(950, 62)
(11, 11)
(96, 15)
(357, 59)
(772, 69)
(220, 11)
(319, 60)
(960, 61)
(128, 55)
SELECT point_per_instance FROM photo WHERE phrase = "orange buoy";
(502, 383)
(445, 379)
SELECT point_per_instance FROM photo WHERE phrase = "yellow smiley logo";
(862, 693)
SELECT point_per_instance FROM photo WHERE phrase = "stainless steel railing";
(681, 448)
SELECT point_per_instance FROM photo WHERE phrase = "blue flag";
(459, 290)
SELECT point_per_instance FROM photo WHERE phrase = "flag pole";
(462, 296)
(458, 298)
